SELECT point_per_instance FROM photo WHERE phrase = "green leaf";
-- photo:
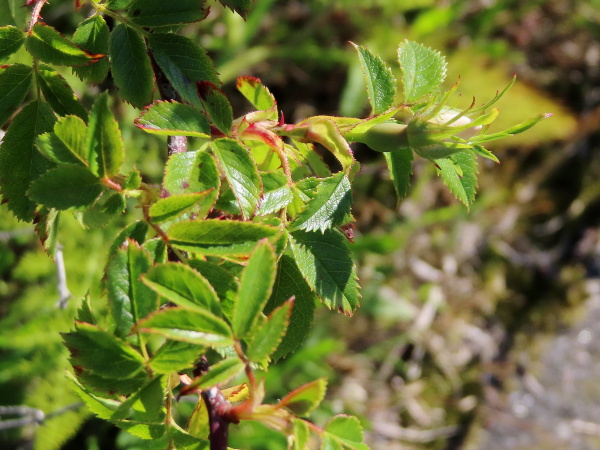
(118, 4)
(242, 7)
(399, 164)
(330, 207)
(184, 63)
(66, 186)
(183, 286)
(218, 374)
(255, 288)
(175, 356)
(104, 142)
(301, 434)
(219, 237)
(301, 401)
(223, 282)
(130, 66)
(15, 81)
(59, 94)
(325, 132)
(129, 299)
(257, 94)
(174, 119)
(133, 180)
(326, 264)
(11, 39)
(67, 143)
(191, 172)
(172, 207)
(20, 162)
(381, 85)
(290, 284)
(277, 194)
(47, 44)
(269, 334)
(186, 325)
(93, 34)
(241, 173)
(347, 431)
(157, 13)
(216, 104)
(146, 405)
(136, 231)
(102, 407)
(459, 173)
(102, 353)
(102, 211)
(423, 70)
(47, 228)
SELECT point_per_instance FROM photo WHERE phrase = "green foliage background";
(444, 290)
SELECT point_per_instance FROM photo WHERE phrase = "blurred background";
(478, 329)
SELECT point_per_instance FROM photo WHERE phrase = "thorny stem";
(35, 14)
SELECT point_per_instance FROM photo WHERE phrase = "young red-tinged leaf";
(135, 231)
(301, 434)
(104, 143)
(268, 336)
(192, 172)
(188, 325)
(66, 186)
(157, 13)
(218, 374)
(381, 85)
(183, 286)
(172, 207)
(219, 237)
(20, 162)
(303, 400)
(241, 173)
(400, 166)
(92, 34)
(223, 282)
(257, 94)
(324, 131)
(11, 39)
(59, 94)
(242, 7)
(48, 45)
(175, 356)
(330, 206)
(346, 430)
(66, 144)
(326, 264)
(15, 81)
(130, 66)
(102, 353)
(174, 119)
(217, 105)
(255, 288)
(423, 70)
(461, 180)
(184, 63)
(289, 283)
(128, 298)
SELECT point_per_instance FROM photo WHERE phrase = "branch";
(63, 289)
(30, 416)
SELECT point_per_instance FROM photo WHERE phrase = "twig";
(63, 289)
(30, 416)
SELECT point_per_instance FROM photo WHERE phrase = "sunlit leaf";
(400, 166)
(104, 143)
(459, 173)
(67, 143)
(301, 401)
(93, 34)
(59, 94)
(381, 85)
(423, 70)
(269, 334)
(217, 105)
(218, 373)
(174, 356)
(346, 430)
(174, 119)
(11, 39)
(172, 207)
(15, 81)
(257, 94)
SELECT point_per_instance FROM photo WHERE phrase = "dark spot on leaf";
(136, 13)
